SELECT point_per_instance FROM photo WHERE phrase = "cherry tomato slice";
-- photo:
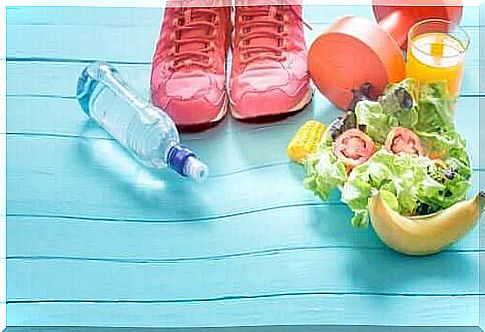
(403, 140)
(353, 148)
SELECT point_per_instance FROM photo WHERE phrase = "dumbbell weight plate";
(354, 51)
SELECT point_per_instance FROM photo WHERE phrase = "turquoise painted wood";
(44, 41)
(95, 239)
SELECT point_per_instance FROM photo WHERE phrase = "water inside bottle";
(148, 135)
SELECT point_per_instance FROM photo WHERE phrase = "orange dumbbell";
(354, 51)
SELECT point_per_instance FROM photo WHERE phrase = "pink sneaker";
(188, 76)
(269, 68)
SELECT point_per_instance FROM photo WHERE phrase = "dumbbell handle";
(397, 24)
(396, 20)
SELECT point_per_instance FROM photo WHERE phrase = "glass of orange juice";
(436, 52)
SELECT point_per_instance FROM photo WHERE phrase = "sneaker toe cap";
(270, 90)
(249, 102)
(191, 100)
(195, 112)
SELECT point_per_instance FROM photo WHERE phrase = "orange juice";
(437, 56)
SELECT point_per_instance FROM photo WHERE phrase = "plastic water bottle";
(145, 130)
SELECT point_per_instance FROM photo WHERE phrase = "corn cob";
(305, 141)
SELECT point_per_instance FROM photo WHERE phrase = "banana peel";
(424, 235)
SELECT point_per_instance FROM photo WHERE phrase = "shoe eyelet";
(272, 11)
(188, 16)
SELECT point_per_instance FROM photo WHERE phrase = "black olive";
(350, 121)
(335, 134)
(404, 98)
(336, 128)
(449, 174)
(435, 174)
(342, 124)
(423, 209)
(360, 94)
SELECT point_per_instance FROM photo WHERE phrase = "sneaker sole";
(307, 98)
(206, 125)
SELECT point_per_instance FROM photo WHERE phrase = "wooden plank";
(95, 16)
(59, 79)
(264, 232)
(291, 228)
(232, 146)
(283, 310)
(78, 178)
(143, 17)
(84, 16)
(68, 176)
(125, 44)
(117, 44)
(307, 271)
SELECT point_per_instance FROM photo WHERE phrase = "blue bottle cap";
(177, 157)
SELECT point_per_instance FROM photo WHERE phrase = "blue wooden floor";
(95, 239)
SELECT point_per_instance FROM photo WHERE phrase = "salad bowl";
(401, 166)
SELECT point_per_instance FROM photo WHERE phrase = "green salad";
(405, 145)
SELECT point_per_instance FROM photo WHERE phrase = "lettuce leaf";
(400, 101)
(453, 178)
(444, 145)
(402, 178)
(397, 107)
(374, 121)
(435, 126)
(324, 173)
(435, 109)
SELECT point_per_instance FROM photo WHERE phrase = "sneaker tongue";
(256, 13)
(193, 16)
(197, 3)
(267, 2)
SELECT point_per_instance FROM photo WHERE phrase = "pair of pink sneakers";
(269, 65)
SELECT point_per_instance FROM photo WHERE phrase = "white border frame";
(158, 4)
(85, 3)
(3, 176)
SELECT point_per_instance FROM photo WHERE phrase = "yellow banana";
(424, 235)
